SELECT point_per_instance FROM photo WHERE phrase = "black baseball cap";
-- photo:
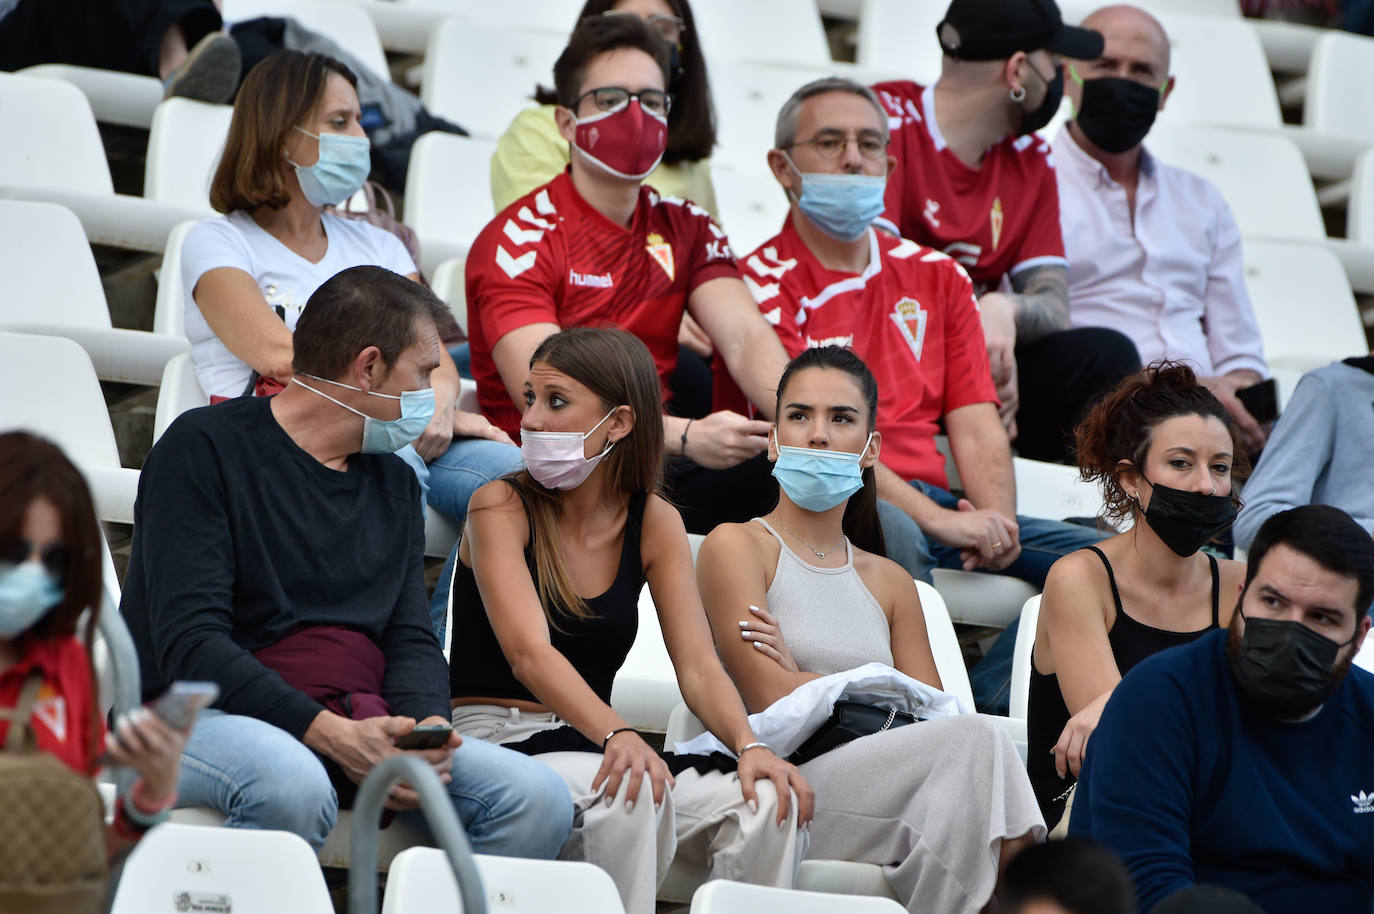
(997, 29)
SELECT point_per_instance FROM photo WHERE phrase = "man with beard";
(1242, 760)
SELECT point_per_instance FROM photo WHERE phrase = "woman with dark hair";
(1166, 454)
(50, 573)
(531, 152)
(940, 804)
(545, 601)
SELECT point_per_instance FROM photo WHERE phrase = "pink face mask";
(555, 459)
(626, 142)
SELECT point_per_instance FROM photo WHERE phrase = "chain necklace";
(814, 551)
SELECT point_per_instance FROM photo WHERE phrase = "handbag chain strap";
(891, 716)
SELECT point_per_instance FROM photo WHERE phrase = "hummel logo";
(1364, 802)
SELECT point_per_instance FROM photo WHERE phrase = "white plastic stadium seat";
(901, 35)
(346, 24)
(1306, 312)
(774, 32)
(1021, 658)
(54, 392)
(1365, 658)
(553, 17)
(1340, 62)
(747, 113)
(752, 205)
(421, 881)
(189, 868)
(184, 148)
(169, 310)
(52, 151)
(448, 194)
(126, 99)
(721, 896)
(480, 77)
(975, 598)
(944, 645)
(1222, 73)
(449, 282)
(1053, 491)
(645, 689)
(51, 286)
(178, 392)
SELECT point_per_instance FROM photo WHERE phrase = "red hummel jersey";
(995, 220)
(911, 316)
(62, 716)
(551, 257)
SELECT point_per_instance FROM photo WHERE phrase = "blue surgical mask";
(340, 172)
(816, 479)
(27, 592)
(386, 436)
(844, 205)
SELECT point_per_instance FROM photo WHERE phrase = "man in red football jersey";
(596, 246)
(974, 180)
(908, 311)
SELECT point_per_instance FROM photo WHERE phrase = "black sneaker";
(210, 72)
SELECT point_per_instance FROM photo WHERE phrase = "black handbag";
(849, 721)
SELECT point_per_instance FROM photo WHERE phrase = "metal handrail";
(439, 815)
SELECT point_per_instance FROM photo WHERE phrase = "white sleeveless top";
(828, 618)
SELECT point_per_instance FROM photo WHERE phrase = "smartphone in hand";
(179, 705)
(1260, 400)
(425, 736)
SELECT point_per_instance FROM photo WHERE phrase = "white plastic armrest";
(115, 98)
(117, 220)
(440, 534)
(117, 354)
(114, 490)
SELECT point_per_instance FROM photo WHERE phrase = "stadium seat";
(645, 689)
(125, 99)
(449, 283)
(1306, 312)
(770, 32)
(421, 881)
(55, 393)
(975, 598)
(184, 147)
(899, 34)
(1021, 659)
(480, 76)
(1341, 61)
(188, 868)
(52, 151)
(1222, 73)
(346, 24)
(748, 95)
(169, 309)
(752, 205)
(944, 645)
(1365, 658)
(178, 392)
(1077, 10)
(1053, 491)
(549, 17)
(52, 287)
(448, 194)
(722, 896)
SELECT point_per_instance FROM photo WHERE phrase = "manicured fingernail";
(658, 806)
(753, 608)
(757, 644)
(629, 806)
(782, 823)
(753, 806)
(744, 623)
(746, 635)
(609, 800)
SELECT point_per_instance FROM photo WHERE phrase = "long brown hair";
(31, 468)
(616, 367)
(861, 522)
(279, 94)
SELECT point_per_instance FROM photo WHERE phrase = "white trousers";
(703, 819)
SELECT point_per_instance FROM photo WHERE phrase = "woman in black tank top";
(1165, 452)
(545, 601)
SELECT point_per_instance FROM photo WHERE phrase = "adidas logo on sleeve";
(1364, 802)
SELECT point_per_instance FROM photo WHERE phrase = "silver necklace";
(814, 551)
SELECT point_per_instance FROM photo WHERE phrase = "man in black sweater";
(278, 551)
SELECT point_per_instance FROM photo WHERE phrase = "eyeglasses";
(609, 98)
(53, 557)
(670, 28)
(832, 145)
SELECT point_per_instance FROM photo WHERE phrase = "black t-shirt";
(241, 538)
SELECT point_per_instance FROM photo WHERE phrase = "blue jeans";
(262, 777)
(1042, 544)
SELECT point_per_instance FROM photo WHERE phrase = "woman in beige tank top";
(804, 592)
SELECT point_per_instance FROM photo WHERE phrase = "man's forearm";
(756, 363)
(915, 503)
(1042, 302)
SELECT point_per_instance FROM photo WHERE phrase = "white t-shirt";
(286, 279)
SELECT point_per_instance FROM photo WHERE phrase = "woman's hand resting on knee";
(760, 763)
(626, 753)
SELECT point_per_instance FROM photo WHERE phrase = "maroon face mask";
(626, 142)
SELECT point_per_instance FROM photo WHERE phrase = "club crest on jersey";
(995, 217)
(662, 252)
(910, 319)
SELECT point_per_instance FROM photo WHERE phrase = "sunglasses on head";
(53, 557)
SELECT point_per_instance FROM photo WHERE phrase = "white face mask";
(555, 459)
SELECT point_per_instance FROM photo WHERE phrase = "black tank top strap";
(1216, 590)
(1111, 577)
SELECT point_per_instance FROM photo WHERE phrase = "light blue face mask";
(386, 436)
(340, 172)
(818, 480)
(844, 205)
(27, 592)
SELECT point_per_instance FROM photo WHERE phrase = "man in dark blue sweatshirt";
(1246, 758)
(278, 551)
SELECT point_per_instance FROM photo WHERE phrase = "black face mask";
(1284, 667)
(1116, 113)
(1186, 520)
(1032, 121)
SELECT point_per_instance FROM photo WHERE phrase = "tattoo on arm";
(1044, 301)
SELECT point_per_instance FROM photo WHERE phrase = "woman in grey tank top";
(804, 592)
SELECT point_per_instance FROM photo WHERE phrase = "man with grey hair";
(1153, 250)
(909, 312)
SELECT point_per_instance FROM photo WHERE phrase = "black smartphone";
(1261, 400)
(425, 736)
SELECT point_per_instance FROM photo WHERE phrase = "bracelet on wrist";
(685, 429)
(757, 744)
(607, 740)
